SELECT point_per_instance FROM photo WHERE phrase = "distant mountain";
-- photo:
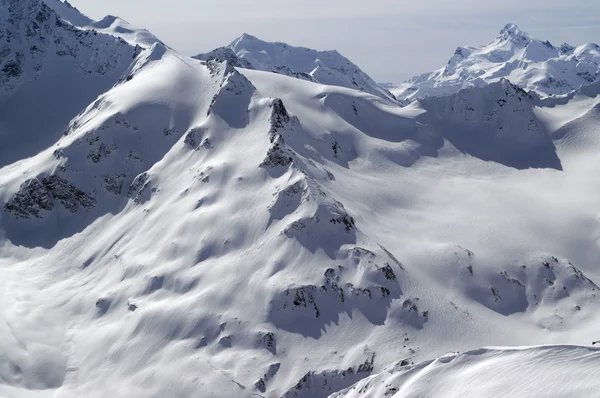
(514, 55)
(494, 122)
(325, 67)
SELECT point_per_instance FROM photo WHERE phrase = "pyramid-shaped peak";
(245, 39)
(566, 48)
(512, 29)
(513, 33)
(248, 36)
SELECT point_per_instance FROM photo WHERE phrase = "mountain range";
(325, 67)
(266, 220)
(531, 64)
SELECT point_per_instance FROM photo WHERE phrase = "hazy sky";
(389, 39)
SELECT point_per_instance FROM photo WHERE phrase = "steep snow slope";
(49, 71)
(529, 63)
(495, 122)
(326, 67)
(547, 371)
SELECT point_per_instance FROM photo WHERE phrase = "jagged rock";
(99, 153)
(268, 341)
(31, 198)
(321, 384)
(345, 219)
(261, 384)
(388, 272)
(113, 183)
(224, 54)
(138, 186)
(193, 136)
(68, 194)
(35, 195)
(34, 32)
(278, 154)
(279, 116)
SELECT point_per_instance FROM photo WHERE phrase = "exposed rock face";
(279, 154)
(31, 33)
(225, 54)
(321, 384)
(35, 196)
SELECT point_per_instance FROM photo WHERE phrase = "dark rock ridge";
(322, 384)
(36, 196)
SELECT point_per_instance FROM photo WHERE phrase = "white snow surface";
(546, 371)
(529, 63)
(110, 24)
(199, 230)
(326, 67)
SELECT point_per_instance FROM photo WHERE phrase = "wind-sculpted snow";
(308, 309)
(548, 371)
(326, 67)
(201, 230)
(550, 288)
(514, 55)
(114, 161)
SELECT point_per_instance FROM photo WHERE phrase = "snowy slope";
(495, 122)
(547, 371)
(514, 55)
(110, 24)
(200, 230)
(326, 67)
(49, 71)
(153, 249)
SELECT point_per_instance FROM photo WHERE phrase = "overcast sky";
(391, 40)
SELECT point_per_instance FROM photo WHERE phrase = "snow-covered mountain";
(49, 71)
(110, 24)
(326, 67)
(529, 63)
(201, 228)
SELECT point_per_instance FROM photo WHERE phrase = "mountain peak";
(325, 67)
(513, 33)
(248, 36)
(245, 38)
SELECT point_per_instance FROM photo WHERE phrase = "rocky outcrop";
(36, 196)
(33, 33)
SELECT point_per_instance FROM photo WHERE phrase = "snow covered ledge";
(517, 372)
